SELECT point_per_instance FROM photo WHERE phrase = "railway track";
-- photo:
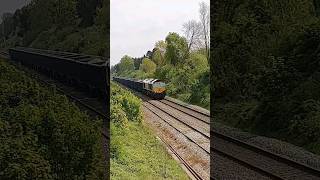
(195, 174)
(4, 54)
(263, 162)
(199, 114)
(159, 112)
(179, 117)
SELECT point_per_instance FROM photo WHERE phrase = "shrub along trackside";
(42, 134)
(135, 152)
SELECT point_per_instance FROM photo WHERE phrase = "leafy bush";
(43, 135)
(125, 102)
(95, 41)
(118, 116)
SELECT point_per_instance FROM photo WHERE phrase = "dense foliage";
(180, 61)
(124, 107)
(135, 152)
(68, 25)
(265, 68)
(42, 134)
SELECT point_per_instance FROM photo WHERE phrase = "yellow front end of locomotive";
(159, 89)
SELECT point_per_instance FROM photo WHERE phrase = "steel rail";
(185, 163)
(190, 114)
(278, 158)
(186, 106)
(208, 152)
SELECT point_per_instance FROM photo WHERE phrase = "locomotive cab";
(154, 88)
(147, 84)
(159, 87)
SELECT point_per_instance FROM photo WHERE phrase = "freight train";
(83, 71)
(153, 88)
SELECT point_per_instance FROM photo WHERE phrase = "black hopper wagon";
(153, 88)
(88, 73)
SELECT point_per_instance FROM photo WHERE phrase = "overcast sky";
(136, 25)
(11, 5)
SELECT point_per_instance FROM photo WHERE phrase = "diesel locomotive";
(153, 88)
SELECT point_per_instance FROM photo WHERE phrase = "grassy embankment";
(135, 151)
(42, 134)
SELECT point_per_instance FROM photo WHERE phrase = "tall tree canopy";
(176, 49)
(158, 57)
(148, 66)
(87, 10)
(126, 64)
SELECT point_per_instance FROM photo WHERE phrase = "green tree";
(158, 57)
(316, 7)
(126, 64)
(103, 17)
(22, 21)
(114, 69)
(42, 16)
(87, 10)
(66, 12)
(176, 49)
(137, 62)
(161, 45)
(7, 25)
(197, 61)
(148, 66)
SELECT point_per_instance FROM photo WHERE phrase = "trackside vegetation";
(42, 134)
(135, 151)
(182, 61)
(266, 71)
(79, 26)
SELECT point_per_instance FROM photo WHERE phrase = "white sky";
(136, 25)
